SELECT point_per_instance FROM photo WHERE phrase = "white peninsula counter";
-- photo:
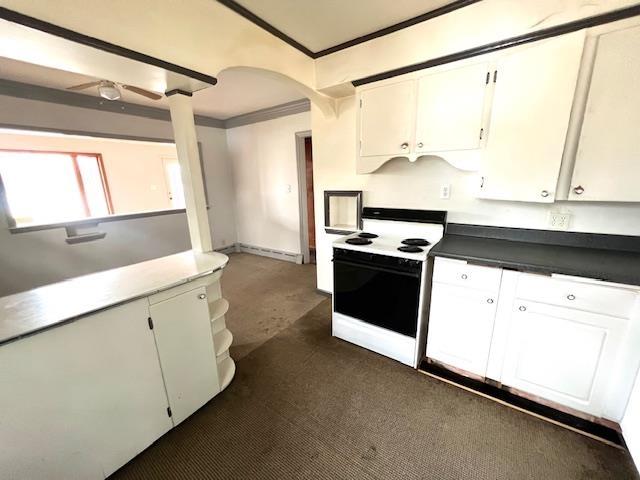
(96, 368)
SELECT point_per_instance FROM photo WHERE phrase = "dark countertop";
(612, 265)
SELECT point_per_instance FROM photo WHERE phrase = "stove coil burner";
(358, 241)
(416, 242)
(410, 249)
(367, 235)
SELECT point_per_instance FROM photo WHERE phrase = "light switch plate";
(559, 220)
(445, 191)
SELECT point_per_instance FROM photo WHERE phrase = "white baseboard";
(228, 249)
(268, 252)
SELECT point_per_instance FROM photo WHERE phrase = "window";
(51, 187)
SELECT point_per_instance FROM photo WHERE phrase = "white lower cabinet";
(460, 327)
(565, 340)
(563, 355)
(182, 329)
(81, 400)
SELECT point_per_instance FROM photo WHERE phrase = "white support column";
(184, 134)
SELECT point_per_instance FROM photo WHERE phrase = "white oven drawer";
(590, 297)
(460, 273)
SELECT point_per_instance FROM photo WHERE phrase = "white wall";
(266, 181)
(31, 259)
(401, 184)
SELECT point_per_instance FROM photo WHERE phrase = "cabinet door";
(450, 109)
(460, 327)
(387, 119)
(82, 399)
(529, 119)
(561, 354)
(182, 329)
(607, 164)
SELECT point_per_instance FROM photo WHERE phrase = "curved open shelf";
(226, 371)
(218, 308)
(222, 341)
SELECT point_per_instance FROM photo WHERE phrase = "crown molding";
(62, 97)
(290, 108)
(253, 18)
(27, 91)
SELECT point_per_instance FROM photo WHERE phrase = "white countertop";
(33, 310)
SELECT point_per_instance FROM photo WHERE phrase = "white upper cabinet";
(438, 112)
(607, 164)
(386, 120)
(450, 109)
(530, 113)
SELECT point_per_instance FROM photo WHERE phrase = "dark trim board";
(50, 28)
(543, 34)
(398, 26)
(591, 428)
(252, 17)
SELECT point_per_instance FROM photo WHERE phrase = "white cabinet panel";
(84, 399)
(562, 355)
(185, 345)
(529, 119)
(450, 109)
(607, 164)
(460, 327)
(387, 119)
(459, 272)
(631, 423)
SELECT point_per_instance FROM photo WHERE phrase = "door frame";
(302, 194)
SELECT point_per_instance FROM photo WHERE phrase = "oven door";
(380, 290)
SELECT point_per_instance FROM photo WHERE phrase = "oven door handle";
(378, 268)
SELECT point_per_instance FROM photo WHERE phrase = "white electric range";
(379, 281)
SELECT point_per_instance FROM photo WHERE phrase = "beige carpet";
(306, 405)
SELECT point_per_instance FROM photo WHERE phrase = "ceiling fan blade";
(82, 86)
(143, 92)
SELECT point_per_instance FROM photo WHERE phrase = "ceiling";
(321, 24)
(237, 92)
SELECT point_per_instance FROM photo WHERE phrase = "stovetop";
(389, 240)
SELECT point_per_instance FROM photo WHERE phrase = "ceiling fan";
(111, 91)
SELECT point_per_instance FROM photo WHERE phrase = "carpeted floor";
(306, 405)
(265, 297)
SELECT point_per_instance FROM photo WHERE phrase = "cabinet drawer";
(457, 272)
(617, 302)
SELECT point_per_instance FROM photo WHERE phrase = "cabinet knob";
(489, 300)
(578, 190)
(571, 296)
(420, 145)
(522, 308)
(404, 146)
(202, 296)
(544, 193)
(464, 276)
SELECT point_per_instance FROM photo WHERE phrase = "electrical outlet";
(559, 221)
(445, 191)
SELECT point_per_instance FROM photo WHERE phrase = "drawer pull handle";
(463, 276)
(571, 296)
(202, 296)
(489, 300)
(522, 308)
